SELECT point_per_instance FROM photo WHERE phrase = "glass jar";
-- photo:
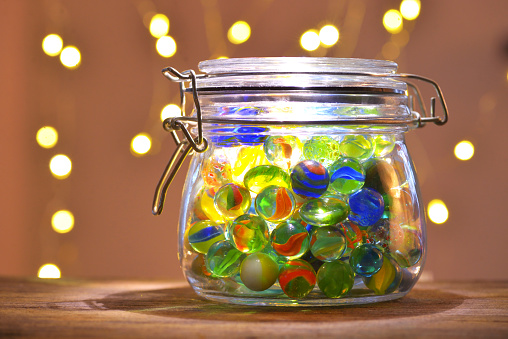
(301, 190)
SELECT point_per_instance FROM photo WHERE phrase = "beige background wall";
(118, 91)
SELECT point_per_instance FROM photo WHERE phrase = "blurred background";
(82, 144)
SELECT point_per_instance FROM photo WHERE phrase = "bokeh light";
(60, 166)
(52, 44)
(310, 40)
(392, 20)
(239, 32)
(70, 57)
(47, 137)
(141, 144)
(159, 25)
(464, 150)
(49, 271)
(437, 211)
(166, 46)
(62, 221)
(390, 51)
(410, 9)
(170, 111)
(329, 35)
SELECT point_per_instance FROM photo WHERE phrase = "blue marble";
(309, 179)
(367, 207)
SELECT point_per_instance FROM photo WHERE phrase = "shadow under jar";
(301, 190)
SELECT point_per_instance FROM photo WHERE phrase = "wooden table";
(148, 309)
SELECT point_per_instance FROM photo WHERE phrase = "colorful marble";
(208, 207)
(259, 272)
(204, 234)
(309, 179)
(232, 201)
(283, 151)
(297, 278)
(322, 149)
(327, 243)
(384, 144)
(360, 147)
(290, 239)
(353, 234)
(263, 176)
(223, 259)
(247, 158)
(387, 279)
(248, 233)
(346, 176)
(366, 259)
(216, 170)
(275, 203)
(324, 211)
(367, 207)
(335, 279)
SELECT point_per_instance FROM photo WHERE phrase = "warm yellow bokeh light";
(310, 40)
(141, 144)
(159, 25)
(222, 57)
(166, 46)
(329, 35)
(47, 137)
(60, 166)
(70, 57)
(392, 20)
(170, 111)
(437, 211)
(62, 221)
(464, 150)
(410, 9)
(49, 271)
(52, 44)
(239, 32)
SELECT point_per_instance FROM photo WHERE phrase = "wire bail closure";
(200, 144)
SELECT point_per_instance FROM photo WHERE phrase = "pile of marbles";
(289, 213)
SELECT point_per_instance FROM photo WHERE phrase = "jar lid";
(299, 73)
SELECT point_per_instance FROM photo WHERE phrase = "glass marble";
(387, 279)
(232, 201)
(204, 234)
(223, 259)
(216, 170)
(366, 259)
(275, 203)
(360, 147)
(353, 234)
(309, 179)
(335, 279)
(406, 245)
(283, 151)
(379, 234)
(263, 176)
(367, 207)
(247, 158)
(208, 207)
(327, 243)
(324, 211)
(346, 176)
(297, 278)
(259, 271)
(290, 239)
(248, 233)
(322, 149)
(384, 144)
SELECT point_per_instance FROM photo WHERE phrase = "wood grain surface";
(150, 309)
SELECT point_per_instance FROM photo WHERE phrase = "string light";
(49, 271)
(159, 25)
(464, 150)
(392, 20)
(329, 35)
(310, 40)
(60, 166)
(70, 57)
(166, 46)
(239, 32)
(47, 137)
(52, 44)
(141, 144)
(62, 221)
(410, 9)
(170, 111)
(437, 211)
